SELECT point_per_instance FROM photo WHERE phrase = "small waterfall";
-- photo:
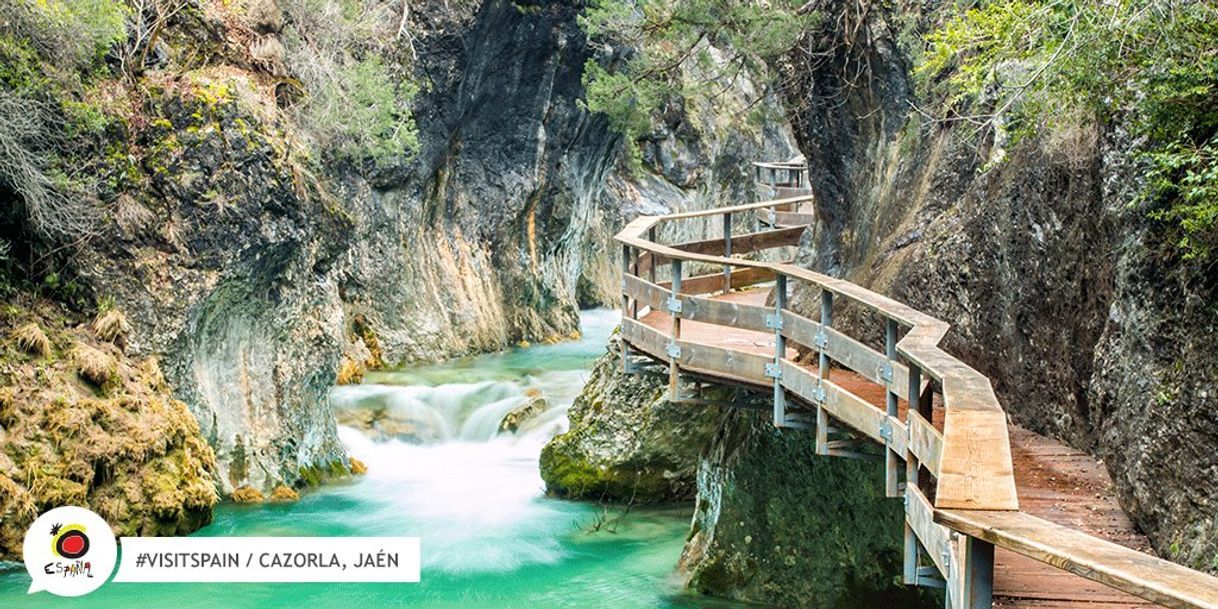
(465, 400)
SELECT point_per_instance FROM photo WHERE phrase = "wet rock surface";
(779, 525)
(627, 442)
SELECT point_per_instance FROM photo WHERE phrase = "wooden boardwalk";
(1054, 481)
(993, 514)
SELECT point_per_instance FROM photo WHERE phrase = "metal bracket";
(673, 350)
(674, 305)
(818, 394)
(773, 371)
(822, 340)
(886, 372)
(886, 430)
(773, 321)
(946, 554)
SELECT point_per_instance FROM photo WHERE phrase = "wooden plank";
(646, 292)
(925, 442)
(867, 362)
(743, 244)
(799, 381)
(1142, 575)
(725, 313)
(935, 538)
(708, 284)
(975, 470)
(854, 411)
(739, 364)
(792, 219)
(645, 338)
(800, 329)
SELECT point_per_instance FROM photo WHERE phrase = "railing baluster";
(978, 574)
(727, 252)
(625, 307)
(634, 302)
(651, 268)
(674, 349)
(890, 396)
(780, 350)
(822, 417)
(912, 473)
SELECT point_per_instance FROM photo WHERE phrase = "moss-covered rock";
(118, 442)
(627, 441)
(777, 524)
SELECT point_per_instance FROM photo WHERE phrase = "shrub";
(683, 50)
(355, 107)
(55, 205)
(72, 34)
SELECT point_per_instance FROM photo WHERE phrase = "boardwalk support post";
(727, 252)
(890, 457)
(674, 349)
(822, 417)
(651, 268)
(912, 473)
(780, 350)
(978, 574)
(625, 307)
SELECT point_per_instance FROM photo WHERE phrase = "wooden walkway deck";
(1056, 482)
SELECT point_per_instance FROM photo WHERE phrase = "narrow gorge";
(344, 267)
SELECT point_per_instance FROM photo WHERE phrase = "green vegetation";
(358, 98)
(1047, 64)
(682, 50)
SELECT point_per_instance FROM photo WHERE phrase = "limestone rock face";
(627, 442)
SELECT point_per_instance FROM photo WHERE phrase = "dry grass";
(283, 493)
(112, 327)
(357, 467)
(132, 217)
(94, 365)
(247, 494)
(350, 373)
(31, 339)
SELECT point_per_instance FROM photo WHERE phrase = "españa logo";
(69, 551)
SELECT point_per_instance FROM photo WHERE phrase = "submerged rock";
(627, 442)
(522, 414)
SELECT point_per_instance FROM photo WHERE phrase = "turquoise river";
(490, 537)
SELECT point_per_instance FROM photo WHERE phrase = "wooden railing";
(956, 479)
(780, 180)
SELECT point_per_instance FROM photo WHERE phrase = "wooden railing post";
(780, 350)
(625, 307)
(727, 252)
(651, 270)
(822, 371)
(890, 397)
(674, 348)
(912, 472)
(978, 574)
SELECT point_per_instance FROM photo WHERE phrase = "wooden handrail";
(970, 459)
(977, 471)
